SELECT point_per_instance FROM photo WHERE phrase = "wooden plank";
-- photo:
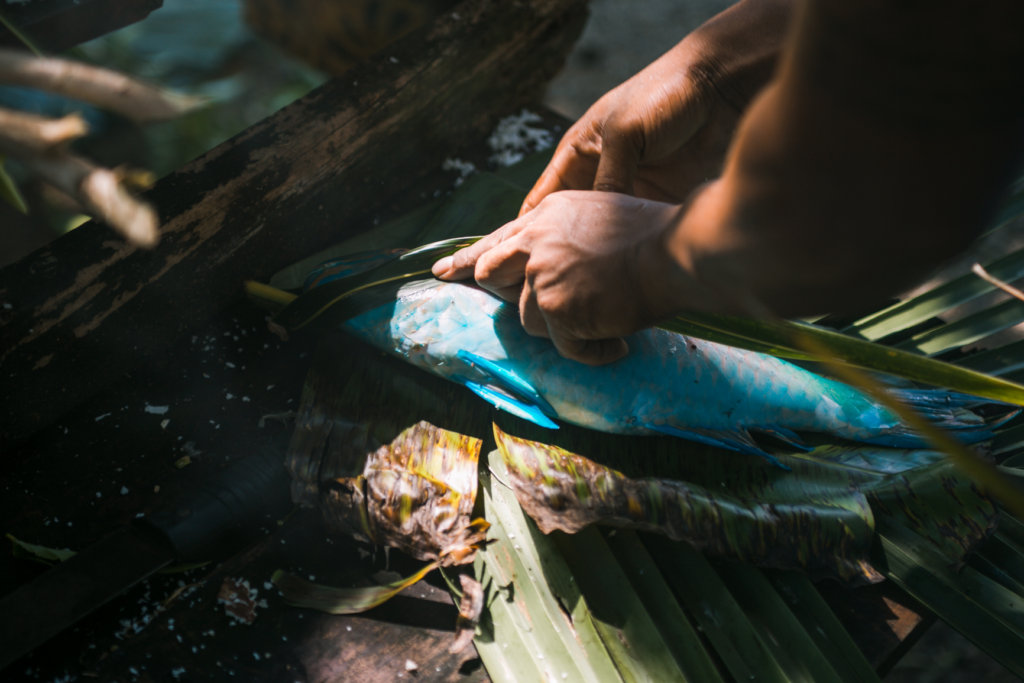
(115, 456)
(80, 313)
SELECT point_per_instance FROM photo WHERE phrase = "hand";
(665, 131)
(585, 267)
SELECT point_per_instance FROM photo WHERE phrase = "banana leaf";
(819, 516)
(668, 610)
(769, 517)
(416, 494)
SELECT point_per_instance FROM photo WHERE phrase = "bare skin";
(880, 148)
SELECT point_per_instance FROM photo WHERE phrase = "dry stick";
(102, 87)
(24, 135)
(980, 271)
(100, 191)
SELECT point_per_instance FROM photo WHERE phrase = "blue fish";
(668, 383)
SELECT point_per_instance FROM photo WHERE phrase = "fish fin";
(786, 436)
(951, 411)
(948, 410)
(510, 404)
(507, 379)
(734, 440)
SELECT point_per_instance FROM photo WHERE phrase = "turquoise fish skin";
(668, 383)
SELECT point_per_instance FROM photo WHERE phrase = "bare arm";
(882, 149)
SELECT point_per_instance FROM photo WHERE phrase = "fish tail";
(947, 410)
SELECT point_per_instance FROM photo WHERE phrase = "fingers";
(462, 264)
(549, 181)
(497, 261)
(501, 269)
(529, 313)
(588, 351)
(617, 166)
(572, 167)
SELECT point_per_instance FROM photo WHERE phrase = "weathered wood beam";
(87, 309)
(56, 25)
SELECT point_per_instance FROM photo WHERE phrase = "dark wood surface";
(110, 460)
(76, 315)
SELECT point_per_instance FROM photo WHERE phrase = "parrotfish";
(667, 384)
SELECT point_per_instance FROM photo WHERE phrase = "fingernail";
(442, 266)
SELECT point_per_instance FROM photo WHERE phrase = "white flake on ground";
(514, 137)
(464, 168)
(156, 410)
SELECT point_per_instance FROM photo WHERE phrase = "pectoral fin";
(506, 378)
(510, 404)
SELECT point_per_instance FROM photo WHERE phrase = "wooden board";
(80, 313)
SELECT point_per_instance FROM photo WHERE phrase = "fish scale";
(667, 384)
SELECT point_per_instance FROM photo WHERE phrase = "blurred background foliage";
(197, 47)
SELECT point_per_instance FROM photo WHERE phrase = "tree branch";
(104, 88)
(23, 135)
(100, 191)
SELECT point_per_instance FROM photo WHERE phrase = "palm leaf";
(667, 610)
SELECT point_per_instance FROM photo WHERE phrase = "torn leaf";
(333, 600)
(415, 494)
(39, 553)
(825, 530)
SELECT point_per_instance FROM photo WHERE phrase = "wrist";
(665, 269)
(705, 255)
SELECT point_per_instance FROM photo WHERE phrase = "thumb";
(617, 165)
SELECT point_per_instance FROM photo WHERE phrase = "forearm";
(738, 49)
(846, 178)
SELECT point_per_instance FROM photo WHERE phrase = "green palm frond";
(623, 603)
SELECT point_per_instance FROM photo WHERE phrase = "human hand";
(585, 267)
(665, 131)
